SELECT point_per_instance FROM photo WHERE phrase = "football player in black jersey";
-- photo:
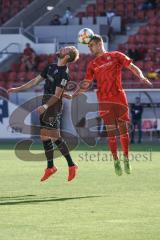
(56, 78)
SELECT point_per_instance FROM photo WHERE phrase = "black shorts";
(50, 119)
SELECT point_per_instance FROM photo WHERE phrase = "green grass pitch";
(97, 205)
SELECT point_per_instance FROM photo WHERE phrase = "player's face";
(94, 47)
(63, 52)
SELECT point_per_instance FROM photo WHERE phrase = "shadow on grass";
(35, 201)
(16, 197)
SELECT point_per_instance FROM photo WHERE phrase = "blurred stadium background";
(132, 27)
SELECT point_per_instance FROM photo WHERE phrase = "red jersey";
(106, 69)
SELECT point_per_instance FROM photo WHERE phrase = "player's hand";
(41, 110)
(12, 90)
(68, 96)
(146, 81)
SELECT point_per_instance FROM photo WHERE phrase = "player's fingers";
(9, 90)
(37, 110)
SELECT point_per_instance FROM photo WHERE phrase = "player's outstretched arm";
(137, 72)
(26, 86)
(67, 96)
(82, 87)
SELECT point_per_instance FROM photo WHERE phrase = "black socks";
(63, 148)
(48, 148)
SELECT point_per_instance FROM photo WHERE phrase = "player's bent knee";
(62, 146)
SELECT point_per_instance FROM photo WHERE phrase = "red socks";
(124, 139)
(112, 142)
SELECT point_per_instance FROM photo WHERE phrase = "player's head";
(68, 54)
(138, 100)
(96, 45)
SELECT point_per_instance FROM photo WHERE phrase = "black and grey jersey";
(55, 76)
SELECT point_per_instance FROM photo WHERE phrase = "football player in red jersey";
(113, 106)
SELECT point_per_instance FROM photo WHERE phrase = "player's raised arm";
(137, 72)
(35, 81)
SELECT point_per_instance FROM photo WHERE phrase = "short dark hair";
(96, 38)
(73, 53)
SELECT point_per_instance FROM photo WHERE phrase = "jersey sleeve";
(44, 72)
(123, 59)
(62, 80)
(89, 73)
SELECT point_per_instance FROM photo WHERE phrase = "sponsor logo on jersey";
(63, 82)
(50, 78)
(55, 71)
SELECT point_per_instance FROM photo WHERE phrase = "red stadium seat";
(42, 57)
(21, 76)
(140, 15)
(148, 66)
(141, 38)
(122, 47)
(81, 14)
(99, 10)
(8, 8)
(143, 30)
(30, 75)
(132, 39)
(119, 2)
(109, 5)
(22, 67)
(41, 66)
(120, 7)
(25, 3)
(153, 21)
(90, 10)
(14, 11)
(12, 77)
(51, 58)
(139, 2)
(150, 39)
(71, 67)
(152, 29)
(15, 4)
(130, 8)
(3, 84)
(15, 67)
(150, 13)
(100, 2)
(5, 3)
(140, 64)
(157, 39)
(147, 124)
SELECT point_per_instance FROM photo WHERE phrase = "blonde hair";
(73, 53)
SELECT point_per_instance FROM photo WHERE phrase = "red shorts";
(114, 109)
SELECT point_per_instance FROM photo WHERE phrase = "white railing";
(12, 48)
